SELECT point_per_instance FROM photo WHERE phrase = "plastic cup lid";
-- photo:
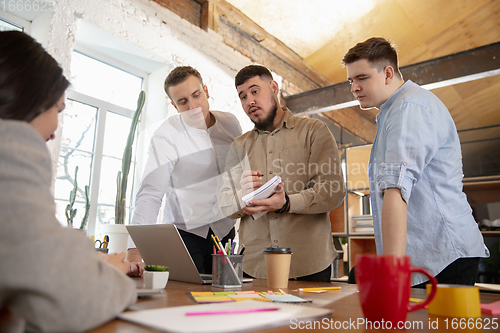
(277, 250)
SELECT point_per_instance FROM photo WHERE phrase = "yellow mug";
(453, 300)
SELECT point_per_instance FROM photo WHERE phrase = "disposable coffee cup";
(278, 266)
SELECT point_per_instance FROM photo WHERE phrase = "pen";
(229, 311)
(319, 288)
(242, 250)
(259, 175)
(230, 264)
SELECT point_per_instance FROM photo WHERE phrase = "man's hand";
(273, 203)
(250, 181)
(136, 269)
(117, 260)
(136, 263)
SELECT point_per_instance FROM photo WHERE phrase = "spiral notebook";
(263, 192)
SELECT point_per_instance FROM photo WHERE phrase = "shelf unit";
(483, 190)
(348, 220)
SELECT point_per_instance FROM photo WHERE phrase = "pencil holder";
(227, 270)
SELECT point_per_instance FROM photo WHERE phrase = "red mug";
(384, 284)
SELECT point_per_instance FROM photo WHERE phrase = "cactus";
(122, 177)
(83, 225)
(70, 212)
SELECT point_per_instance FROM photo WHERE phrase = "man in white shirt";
(186, 156)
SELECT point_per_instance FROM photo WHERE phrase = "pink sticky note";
(491, 308)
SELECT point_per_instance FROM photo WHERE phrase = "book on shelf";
(362, 217)
(363, 230)
(363, 224)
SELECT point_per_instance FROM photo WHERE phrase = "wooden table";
(344, 303)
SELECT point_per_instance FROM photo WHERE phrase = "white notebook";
(263, 192)
(174, 319)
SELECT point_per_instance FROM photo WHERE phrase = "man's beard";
(268, 122)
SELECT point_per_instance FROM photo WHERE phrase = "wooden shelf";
(481, 190)
(357, 186)
(337, 219)
(360, 245)
(490, 233)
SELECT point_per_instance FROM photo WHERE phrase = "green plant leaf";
(156, 268)
(126, 160)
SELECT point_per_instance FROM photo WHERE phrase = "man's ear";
(206, 91)
(275, 87)
(175, 106)
(389, 74)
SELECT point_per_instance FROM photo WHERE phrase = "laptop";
(161, 244)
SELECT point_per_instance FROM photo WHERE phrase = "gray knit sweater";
(49, 275)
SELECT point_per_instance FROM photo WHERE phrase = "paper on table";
(174, 319)
(286, 298)
(263, 192)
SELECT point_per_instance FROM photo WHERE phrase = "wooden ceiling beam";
(209, 16)
(444, 71)
(274, 45)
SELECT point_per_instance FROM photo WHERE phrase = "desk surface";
(344, 303)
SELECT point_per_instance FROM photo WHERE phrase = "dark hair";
(179, 75)
(251, 71)
(31, 81)
(376, 50)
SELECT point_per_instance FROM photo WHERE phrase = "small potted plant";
(155, 276)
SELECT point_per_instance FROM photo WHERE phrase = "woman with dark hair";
(51, 277)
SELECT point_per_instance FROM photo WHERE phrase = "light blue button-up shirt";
(417, 150)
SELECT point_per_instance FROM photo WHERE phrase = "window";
(9, 21)
(99, 108)
(7, 26)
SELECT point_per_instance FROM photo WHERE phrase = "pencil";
(216, 244)
(318, 289)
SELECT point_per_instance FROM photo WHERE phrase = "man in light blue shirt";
(415, 170)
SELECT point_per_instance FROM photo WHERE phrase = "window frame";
(103, 108)
(16, 20)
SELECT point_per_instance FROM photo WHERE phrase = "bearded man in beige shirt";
(303, 152)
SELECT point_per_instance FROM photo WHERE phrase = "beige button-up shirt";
(304, 153)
